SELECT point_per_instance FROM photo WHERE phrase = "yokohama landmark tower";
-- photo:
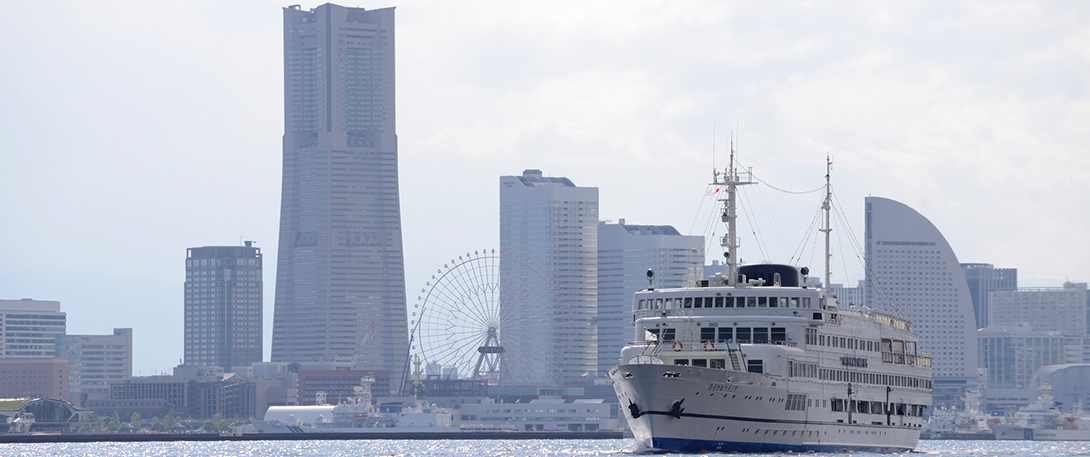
(340, 278)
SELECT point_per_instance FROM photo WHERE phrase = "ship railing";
(713, 345)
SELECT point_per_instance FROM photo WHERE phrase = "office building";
(1060, 309)
(625, 253)
(914, 271)
(94, 361)
(983, 278)
(1047, 309)
(29, 328)
(1011, 355)
(551, 224)
(848, 295)
(340, 265)
(223, 306)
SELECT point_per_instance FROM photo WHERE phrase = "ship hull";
(1014, 432)
(691, 409)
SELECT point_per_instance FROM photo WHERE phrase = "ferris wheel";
(467, 325)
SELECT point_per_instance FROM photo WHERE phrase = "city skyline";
(126, 120)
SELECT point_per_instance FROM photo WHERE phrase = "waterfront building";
(199, 392)
(914, 271)
(550, 225)
(1011, 355)
(625, 253)
(34, 377)
(29, 328)
(223, 295)
(94, 361)
(340, 263)
(983, 279)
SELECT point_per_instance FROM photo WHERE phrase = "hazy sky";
(130, 131)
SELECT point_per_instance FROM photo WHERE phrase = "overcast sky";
(130, 131)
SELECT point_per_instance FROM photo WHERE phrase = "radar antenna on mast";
(731, 180)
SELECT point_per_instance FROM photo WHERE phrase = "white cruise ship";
(754, 361)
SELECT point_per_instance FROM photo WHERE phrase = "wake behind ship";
(755, 361)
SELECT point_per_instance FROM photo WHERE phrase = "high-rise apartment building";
(223, 306)
(551, 223)
(915, 271)
(983, 278)
(625, 253)
(340, 265)
(94, 361)
(1047, 309)
(1060, 309)
(29, 328)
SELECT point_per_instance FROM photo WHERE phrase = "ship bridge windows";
(668, 334)
(707, 334)
(755, 366)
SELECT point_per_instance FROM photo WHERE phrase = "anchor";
(676, 409)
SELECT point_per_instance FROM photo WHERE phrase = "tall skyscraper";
(30, 328)
(340, 265)
(915, 270)
(625, 253)
(223, 306)
(984, 279)
(552, 223)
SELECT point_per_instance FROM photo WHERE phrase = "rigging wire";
(871, 275)
(753, 227)
(788, 191)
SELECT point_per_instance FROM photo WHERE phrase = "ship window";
(751, 302)
(762, 302)
(718, 302)
(783, 302)
(779, 334)
(667, 334)
(700, 362)
(742, 334)
(639, 304)
(805, 302)
(794, 302)
(760, 335)
(669, 304)
(717, 363)
(707, 334)
(730, 301)
(689, 303)
(795, 402)
(658, 303)
(837, 405)
(755, 366)
(652, 334)
(725, 334)
(681, 361)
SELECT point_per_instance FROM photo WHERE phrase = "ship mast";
(731, 181)
(828, 229)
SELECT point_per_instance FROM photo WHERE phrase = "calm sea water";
(472, 448)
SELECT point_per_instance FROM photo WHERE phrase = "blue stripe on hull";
(684, 445)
